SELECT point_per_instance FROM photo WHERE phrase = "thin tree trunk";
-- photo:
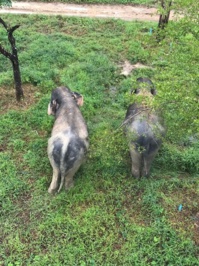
(14, 60)
(17, 79)
(164, 18)
(15, 64)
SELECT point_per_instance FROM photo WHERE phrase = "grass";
(108, 218)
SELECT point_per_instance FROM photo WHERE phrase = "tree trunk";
(14, 59)
(164, 18)
(17, 79)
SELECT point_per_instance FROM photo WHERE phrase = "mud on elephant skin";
(143, 128)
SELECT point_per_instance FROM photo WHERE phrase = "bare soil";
(124, 12)
(8, 100)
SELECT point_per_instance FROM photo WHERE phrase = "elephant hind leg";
(147, 161)
(54, 183)
(136, 158)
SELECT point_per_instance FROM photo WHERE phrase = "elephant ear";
(78, 98)
(53, 107)
(135, 91)
(153, 91)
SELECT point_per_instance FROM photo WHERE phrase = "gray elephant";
(68, 144)
(143, 128)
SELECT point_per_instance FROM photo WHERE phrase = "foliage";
(182, 93)
(181, 158)
(5, 3)
(190, 21)
(189, 8)
(108, 218)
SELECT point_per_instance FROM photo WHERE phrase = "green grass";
(108, 218)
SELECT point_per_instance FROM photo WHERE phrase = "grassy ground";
(108, 218)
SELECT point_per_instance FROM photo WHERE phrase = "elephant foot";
(52, 190)
(136, 173)
(69, 185)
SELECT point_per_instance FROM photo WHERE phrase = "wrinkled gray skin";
(144, 130)
(69, 138)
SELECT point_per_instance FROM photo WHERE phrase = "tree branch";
(5, 53)
(11, 30)
(131, 116)
(10, 34)
(3, 23)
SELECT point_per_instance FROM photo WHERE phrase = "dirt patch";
(125, 12)
(8, 100)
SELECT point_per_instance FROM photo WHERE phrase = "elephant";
(68, 143)
(144, 128)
